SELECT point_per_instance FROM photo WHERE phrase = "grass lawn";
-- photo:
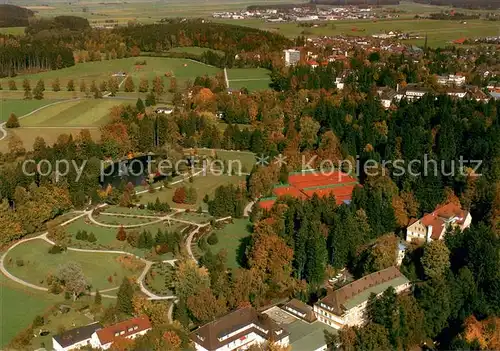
(234, 238)
(246, 158)
(50, 134)
(12, 30)
(203, 184)
(199, 218)
(159, 279)
(250, 78)
(38, 263)
(18, 307)
(106, 237)
(116, 220)
(19, 107)
(182, 69)
(128, 210)
(77, 113)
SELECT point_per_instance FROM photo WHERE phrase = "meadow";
(38, 264)
(182, 69)
(245, 158)
(19, 107)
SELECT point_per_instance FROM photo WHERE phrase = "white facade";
(355, 316)
(451, 80)
(243, 342)
(421, 232)
(96, 343)
(292, 57)
(57, 347)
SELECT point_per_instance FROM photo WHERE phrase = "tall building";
(292, 57)
(347, 306)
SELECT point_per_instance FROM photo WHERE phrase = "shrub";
(82, 235)
(38, 321)
(202, 244)
(19, 262)
(213, 239)
(56, 249)
(91, 238)
(180, 195)
(200, 210)
(55, 288)
(12, 122)
(122, 234)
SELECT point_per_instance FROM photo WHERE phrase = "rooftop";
(123, 329)
(360, 290)
(73, 336)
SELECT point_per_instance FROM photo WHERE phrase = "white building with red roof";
(129, 329)
(433, 225)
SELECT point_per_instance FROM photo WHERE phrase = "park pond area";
(32, 262)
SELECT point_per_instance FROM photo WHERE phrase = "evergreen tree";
(71, 85)
(150, 100)
(124, 297)
(56, 85)
(12, 122)
(27, 89)
(39, 89)
(139, 105)
(97, 298)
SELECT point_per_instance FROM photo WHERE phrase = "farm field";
(232, 237)
(440, 33)
(19, 107)
(76, 113)
(38, 264)
(250, 78)
(204, 185)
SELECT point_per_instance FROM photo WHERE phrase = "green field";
(117, 220)
(195, 217)
(250, 78)
(233, 237)
(18, 306)
(38, 263)
(182, 69)
(194, 50)
(159, 279)
(12, 30)
(203, 184)
(245, 158)
(19, 107)
(78, 113)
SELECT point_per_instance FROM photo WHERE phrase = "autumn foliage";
(122, 234)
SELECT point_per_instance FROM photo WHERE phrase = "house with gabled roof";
(238, 330)
(129, 329)
(347, 306)
(433, 226)
(75, 338)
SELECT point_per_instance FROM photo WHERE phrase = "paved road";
(248, 209)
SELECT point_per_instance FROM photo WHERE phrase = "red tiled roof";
(437, 218)
(266, 204)
(128, 327)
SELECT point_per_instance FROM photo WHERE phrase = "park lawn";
(244, 158)
(49, 134)
(19, 107)
(182, 69)
(159, 279)
(233, 237)
(204, 185)
(38, 264)
(106, 237)
(73, 113)
(18, 307)
(200, 218)
(128, 210)
(119, 220)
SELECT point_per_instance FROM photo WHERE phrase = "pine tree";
(150, 99)
(39, 89)
(129, 85)
(139, 105)
(71, 85)
(56, 85)
(97, 298)
(124, 297)
(12, 122)
(27, 89)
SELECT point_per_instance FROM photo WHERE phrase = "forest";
(14, 16)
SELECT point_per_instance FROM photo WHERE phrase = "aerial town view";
(262, 175)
